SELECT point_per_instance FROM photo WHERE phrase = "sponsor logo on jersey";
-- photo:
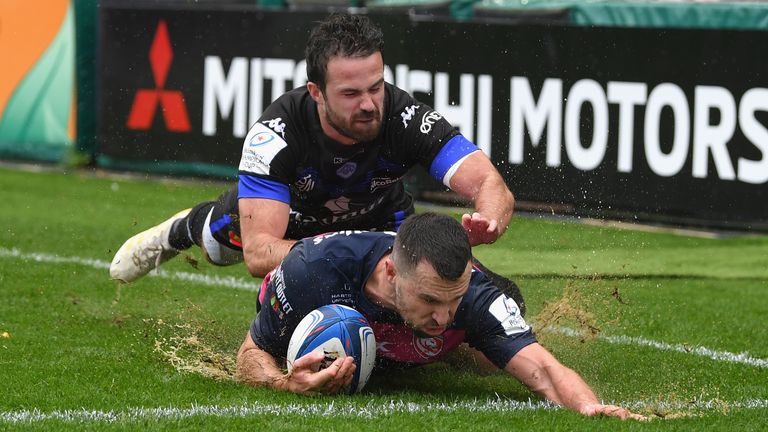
(507, 312)
(261, 138)
(341, 217)
(253, 163)
(171, 102)
(380, 182)
(338, 205)
(305, 184)
(261, 146)
(345, 171)
(276, 125)
(316, 240)
(407, 114)
(342, 298)
(428, 120)
(279, 283)
(428, 347)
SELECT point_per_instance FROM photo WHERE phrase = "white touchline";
(724, 356)
(233, 282)
(346, 409)
(224, 281)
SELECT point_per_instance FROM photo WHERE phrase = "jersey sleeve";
(431, 139)
(266, 161)
(450, 157)
(497, 327)
(250, 186)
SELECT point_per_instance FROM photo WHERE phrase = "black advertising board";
(153, 64)
(668, 122)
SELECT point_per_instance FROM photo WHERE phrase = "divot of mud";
(575, 307)
(185, 347)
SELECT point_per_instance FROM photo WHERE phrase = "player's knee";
(221, 255)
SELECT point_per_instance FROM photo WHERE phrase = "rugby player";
(422, 297)
(330, 156)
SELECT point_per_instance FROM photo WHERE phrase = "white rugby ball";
(338, 331)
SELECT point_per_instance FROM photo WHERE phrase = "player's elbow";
(257, 259)
(261, 253)
(538, 381)
(246, 364)
(241, 362)
(256, 266)
(506, 196)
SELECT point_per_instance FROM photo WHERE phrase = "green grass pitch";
(674, 326)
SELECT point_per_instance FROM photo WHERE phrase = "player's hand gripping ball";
(338, 331)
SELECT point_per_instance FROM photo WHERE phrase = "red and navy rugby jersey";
(334, 267)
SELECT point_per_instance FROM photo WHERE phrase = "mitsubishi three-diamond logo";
(171, 101)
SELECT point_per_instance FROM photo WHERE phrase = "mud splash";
(586, 305)
(193, 344)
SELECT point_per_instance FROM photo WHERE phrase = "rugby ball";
(338, 331)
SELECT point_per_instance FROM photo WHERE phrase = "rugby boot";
(144, 252)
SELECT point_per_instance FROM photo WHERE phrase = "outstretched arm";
(263, 223)
(258, 368)
(479, 181)
(538, 369)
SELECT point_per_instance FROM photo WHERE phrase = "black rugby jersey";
(287, 157)
(334, 267)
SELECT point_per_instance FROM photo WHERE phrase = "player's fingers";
(345, 375)
(346, 368)
(466, 221)
(493, 224)
(303, 378)
(617, 411)
(335, 374)
(349, 379)
(614, 411)
(593, 409)
(479, 220)
(307, 361)
(623, 413)
(348, 373)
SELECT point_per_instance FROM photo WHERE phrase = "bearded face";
(350, 106)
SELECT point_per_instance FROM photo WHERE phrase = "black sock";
(179, 235)
(188, 231)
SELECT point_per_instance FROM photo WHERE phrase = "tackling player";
(423, 298)
(330, 156)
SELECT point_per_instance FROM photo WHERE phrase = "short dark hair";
(343, 35)
(437, 238)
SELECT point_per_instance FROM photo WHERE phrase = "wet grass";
(71, 339)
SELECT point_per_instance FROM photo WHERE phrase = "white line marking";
(223, 281)
(724, 356)
(345, 409)
(233, 282)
